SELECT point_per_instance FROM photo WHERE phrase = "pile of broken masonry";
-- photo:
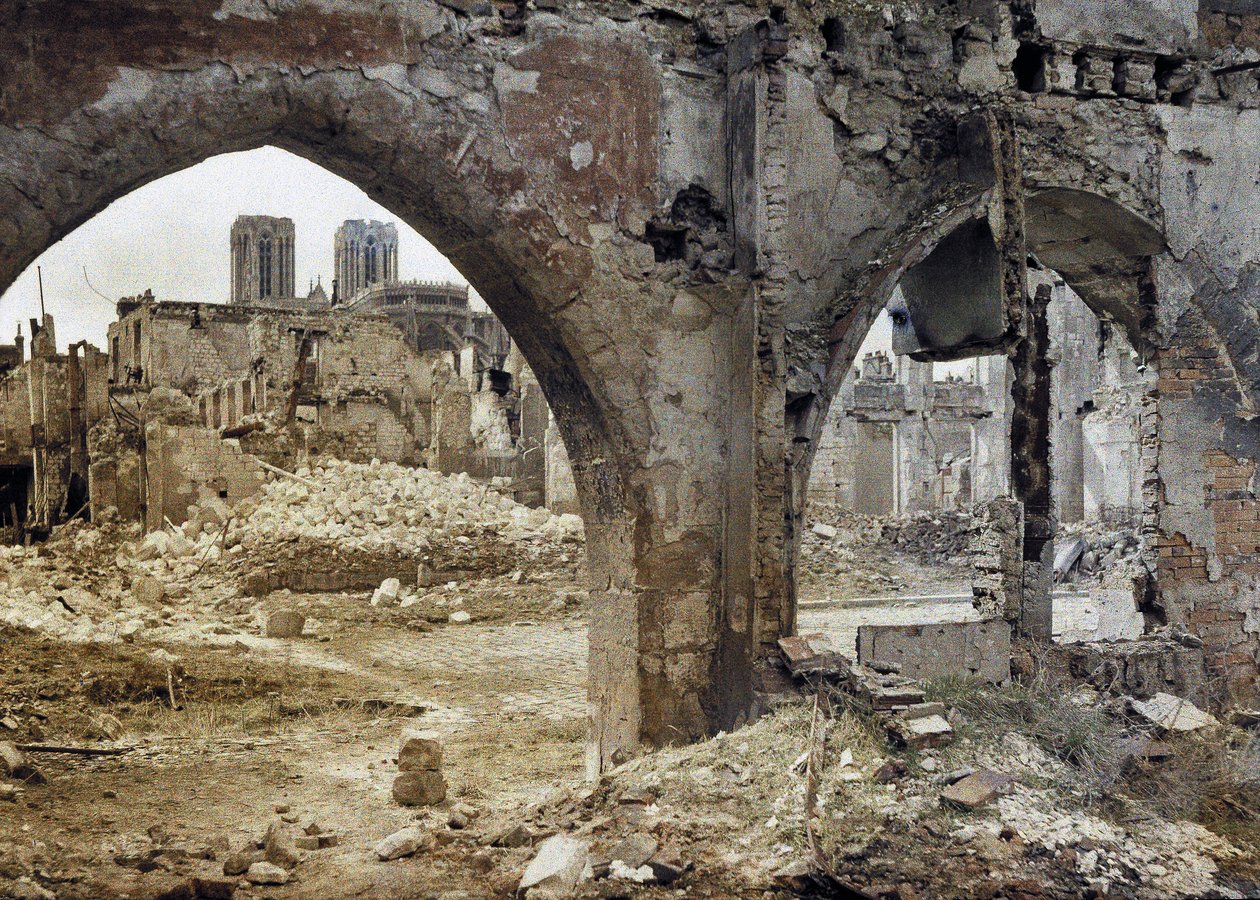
(109, 584)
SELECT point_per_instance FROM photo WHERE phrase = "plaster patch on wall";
(508, 79)
(128, 89)
(581, 155)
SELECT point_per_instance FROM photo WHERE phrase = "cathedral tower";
(365, 253)
(262, 259)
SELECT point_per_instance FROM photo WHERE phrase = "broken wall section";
(189, 465)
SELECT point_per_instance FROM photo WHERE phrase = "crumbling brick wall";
(187, 464)
(1209, 537)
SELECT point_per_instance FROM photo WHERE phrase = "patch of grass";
(1082, 733)
(1212, 778)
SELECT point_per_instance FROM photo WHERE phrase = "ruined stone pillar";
(1030, 466)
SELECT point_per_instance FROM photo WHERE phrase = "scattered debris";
(404, 842)
(1172, 713)
(978, 789)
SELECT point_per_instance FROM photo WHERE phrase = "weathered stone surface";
(148, 590)
(404, 842)
(15, 764)
(634, 850)
(976, 649)
(387, 593)
(977, 789)
(921, 732)
(279, 847)
(1172, 713)
(421, 751)
(1139, 669)
(285, 623)
(266, 873)
(239, 863)
(556, 868)
(425, 788)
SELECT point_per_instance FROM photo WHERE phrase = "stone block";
(921, 732)
(976, 649)
(1139, 669)
(285, 623)
(419, 788)
(421, 751)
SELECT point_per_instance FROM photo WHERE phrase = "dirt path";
(509, 701)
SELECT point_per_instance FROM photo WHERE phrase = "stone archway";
(490, 155)
(1100, 248)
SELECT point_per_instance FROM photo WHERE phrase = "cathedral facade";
(434, 316)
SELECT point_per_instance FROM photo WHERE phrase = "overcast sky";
(172, 236)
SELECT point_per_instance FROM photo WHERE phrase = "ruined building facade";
(436, 316)
(689, 219)
(47, 404)
(899, 440)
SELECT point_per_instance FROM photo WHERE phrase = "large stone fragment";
(1172, 713)
(421, 751)
(921, 729)
(1138, 669)
(279, 847)
(405, 842)
(634, 850)
(425, 788)
(266, 873)
(148, 590)
(239, 863)
(976, 649)
(556, 869)
(805, 653)
(285, 623)
(14, 764)
(977, 789)
(387, 593)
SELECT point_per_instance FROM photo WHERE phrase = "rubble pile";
(932, 537)
(378, 505)
(936, 536)
(1088, 552)
(848, 555)
(69, 587)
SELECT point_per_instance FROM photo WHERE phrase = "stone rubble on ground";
(404, 842)
(380, 505)
(556, 869)
(1173, 714)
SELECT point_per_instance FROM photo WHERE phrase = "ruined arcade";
(689, 220)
